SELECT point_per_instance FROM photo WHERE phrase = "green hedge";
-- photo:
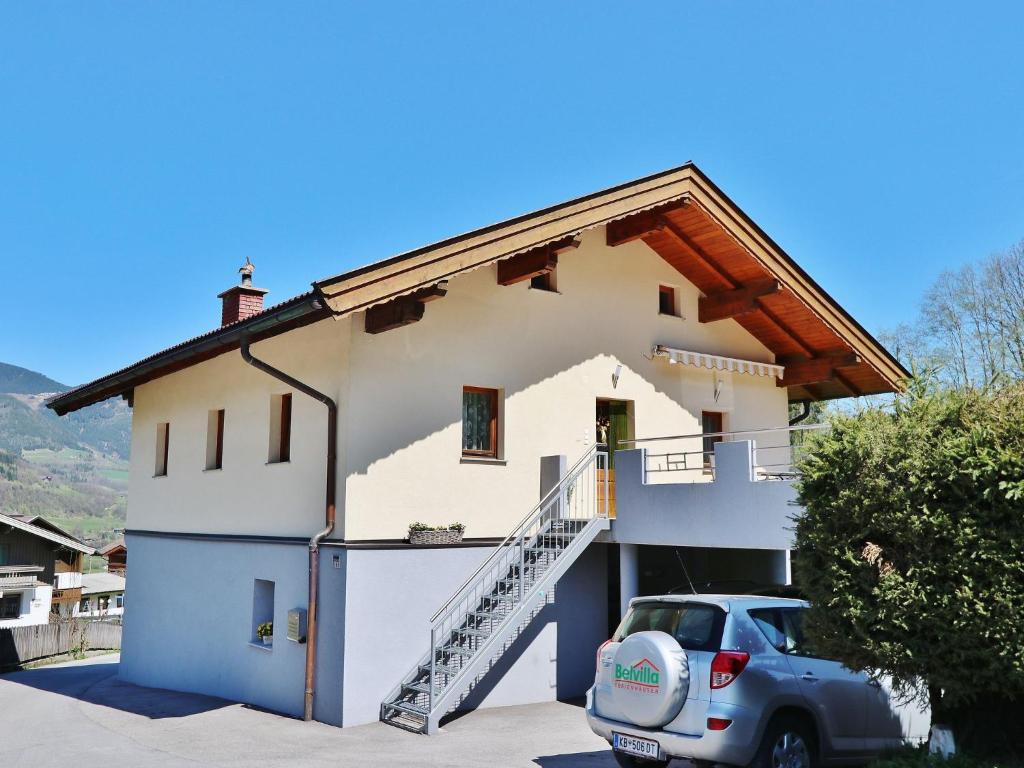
(911, 549)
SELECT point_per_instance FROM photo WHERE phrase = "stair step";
(471, 632)
(458, 650)
(420, 687)
(409, 709)
(410, 723)
(441, 669)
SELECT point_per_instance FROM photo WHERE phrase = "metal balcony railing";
(691, 458)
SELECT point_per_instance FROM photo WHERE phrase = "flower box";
(435, 536)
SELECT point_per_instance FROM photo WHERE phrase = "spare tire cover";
(650, 678)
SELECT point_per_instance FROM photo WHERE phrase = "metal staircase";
(486, 614)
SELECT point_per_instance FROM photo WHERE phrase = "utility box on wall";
(297, 625)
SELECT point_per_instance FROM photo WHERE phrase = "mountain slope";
(72, 469)
(22, 381)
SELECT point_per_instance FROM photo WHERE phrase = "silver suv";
(725, 679)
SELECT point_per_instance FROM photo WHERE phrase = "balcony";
(19, 576)
(729, 489)
(67, 580)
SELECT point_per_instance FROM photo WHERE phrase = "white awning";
(717, 362)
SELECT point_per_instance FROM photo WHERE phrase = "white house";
(102, 595)
(599, 391)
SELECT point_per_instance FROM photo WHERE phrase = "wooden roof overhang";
(678, 213)
(689, 222)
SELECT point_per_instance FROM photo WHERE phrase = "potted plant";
(265, 632)
(421, 533)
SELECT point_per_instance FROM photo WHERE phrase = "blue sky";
(147, 148)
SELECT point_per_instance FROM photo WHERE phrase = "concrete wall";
(400, 394)
(190, 623)
(387, 631)
(734, 511)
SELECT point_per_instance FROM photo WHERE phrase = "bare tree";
(971, 325)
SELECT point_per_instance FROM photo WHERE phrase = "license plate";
(634, 745)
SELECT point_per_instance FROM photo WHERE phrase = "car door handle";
(809, 677)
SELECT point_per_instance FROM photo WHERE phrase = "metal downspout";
(314, 542)
(805, 411)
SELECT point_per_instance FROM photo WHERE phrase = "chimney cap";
(245, 286)
(246, 271)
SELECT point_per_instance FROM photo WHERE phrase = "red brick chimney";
(243, 300)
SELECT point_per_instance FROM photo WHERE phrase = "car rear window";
(695, 626)
(782, 627)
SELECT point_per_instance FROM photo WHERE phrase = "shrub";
(911, 550)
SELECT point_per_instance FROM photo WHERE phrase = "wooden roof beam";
(696, 253)
(640, 225)
(405, 310)
(785, 330)
(735, 302)
(815, 370)
(535, 262)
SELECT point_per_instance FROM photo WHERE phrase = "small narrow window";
(667, 300)
(711, 426)
(163, 438)
(280, 428)
(545, 281)
(10, 606)
(215, 439)
(480, 422)
(262, 608)
(119, 601)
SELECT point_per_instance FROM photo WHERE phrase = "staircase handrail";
(516, 532)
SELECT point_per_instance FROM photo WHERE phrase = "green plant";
(911, 551)
(266, 629)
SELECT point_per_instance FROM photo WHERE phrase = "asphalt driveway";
(81, 714)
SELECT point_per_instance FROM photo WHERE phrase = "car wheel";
(787, 743)
(628, 761)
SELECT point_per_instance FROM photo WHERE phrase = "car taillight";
(718, 723)
(600, 650)
(726, 667)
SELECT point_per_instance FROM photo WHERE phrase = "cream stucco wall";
(399, 392)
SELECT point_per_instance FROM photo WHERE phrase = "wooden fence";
(22, 644)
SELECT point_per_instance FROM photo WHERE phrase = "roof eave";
(290, 314)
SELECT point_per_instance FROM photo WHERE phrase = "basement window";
(480, 422)
(668, 301)
(280, 429)
(215, 439)
(545, 282)
(163, 437)
(262, 606)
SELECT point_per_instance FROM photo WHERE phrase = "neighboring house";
(630, 356)
(40, 570)
(102, 595)
(116, 554)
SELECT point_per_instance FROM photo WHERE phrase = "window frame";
(545, 281)
(215, 439)
(163, 444)
(14, 599)
(492, 451)
(708, 443)
(280, 442)
(672, 293)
